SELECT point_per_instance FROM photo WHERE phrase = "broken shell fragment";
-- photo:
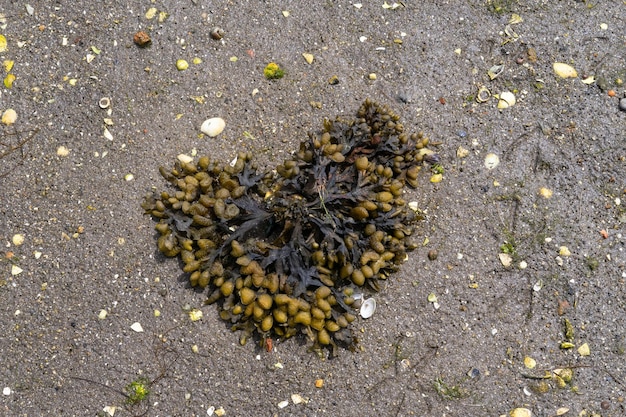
(368, 308)
(495, 71)
(564, 70)
(507, 99)
(213, 127)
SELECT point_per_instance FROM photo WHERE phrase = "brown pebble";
(520, 60)
(142, 39)
(562, 307)
(605, 405)
(432, 254)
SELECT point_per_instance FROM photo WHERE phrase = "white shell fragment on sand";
(137, 327)
(213, 127)
(9, 117)
(564, 70)
(368, 308)
(491, 161)
(507, 99)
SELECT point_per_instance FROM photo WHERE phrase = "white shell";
(367, 308)
(507, 99)
(104, 103)
(491, 161)
(564, 71)
(213, 127)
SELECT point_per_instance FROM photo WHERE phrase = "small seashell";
(483, 94)
(137, 327)
(507, 99)
(564, 70)
(18, 239)
(9, 117)
(491, 161)
(368, 308)
(104, 103)
(217, 33)
(213, 127)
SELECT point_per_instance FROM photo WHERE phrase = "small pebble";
(63, 151)
(142, 39)
(432, 254)
(213, 127)
(6, 391)
(605, 405)
(182, 65)
(622, 104)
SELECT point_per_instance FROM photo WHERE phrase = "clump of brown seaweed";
(283, 251)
